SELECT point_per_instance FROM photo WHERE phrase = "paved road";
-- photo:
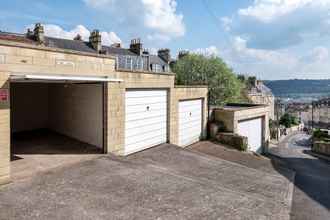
(311, 198)
(165, 182)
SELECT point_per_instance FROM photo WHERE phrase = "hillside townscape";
(165, 109)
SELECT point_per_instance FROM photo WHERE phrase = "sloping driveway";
(165, 182)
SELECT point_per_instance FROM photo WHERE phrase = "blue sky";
(273, 39)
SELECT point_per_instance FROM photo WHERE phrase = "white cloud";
(277, 64)
(161, 16)
(158, 16)
(268, 10)
(208, 52)
(275, 57)
(226, 23)
(320, 54)
(52, 30)
(278, 24)
(109, 38)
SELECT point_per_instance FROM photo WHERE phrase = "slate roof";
(261, 88)
(75, 45)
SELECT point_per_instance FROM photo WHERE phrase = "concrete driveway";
(165, 182)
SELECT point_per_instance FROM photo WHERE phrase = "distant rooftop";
(129, 56)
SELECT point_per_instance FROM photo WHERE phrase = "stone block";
(234, 140)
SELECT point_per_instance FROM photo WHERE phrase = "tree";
(193, 69)
(288, 120)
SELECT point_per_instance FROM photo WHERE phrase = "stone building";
(115, 99)
(259, 93)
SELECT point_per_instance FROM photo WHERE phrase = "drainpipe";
(208, 113)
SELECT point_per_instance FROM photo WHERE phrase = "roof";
(21, 38)
(261, 88)
(75, 45)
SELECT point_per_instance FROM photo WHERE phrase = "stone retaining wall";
(321, 147)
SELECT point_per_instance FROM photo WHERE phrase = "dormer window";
(156, 68)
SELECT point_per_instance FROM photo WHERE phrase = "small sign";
(4, 95)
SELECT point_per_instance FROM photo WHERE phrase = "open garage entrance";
(54, 122)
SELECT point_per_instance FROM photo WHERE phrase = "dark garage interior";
(56, 118)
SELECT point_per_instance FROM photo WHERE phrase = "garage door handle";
(148, 108)
(190, 113)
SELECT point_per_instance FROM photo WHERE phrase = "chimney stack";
(165, 55)
(39, 34)
(136, 46)
(95, 40)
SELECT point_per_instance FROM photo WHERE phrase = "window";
(138, 63)
(128, 64)
(156, 68)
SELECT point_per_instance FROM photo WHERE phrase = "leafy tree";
(193, 69)
(288, 120)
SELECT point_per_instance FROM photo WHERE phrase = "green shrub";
(321, 135)
(288, 120)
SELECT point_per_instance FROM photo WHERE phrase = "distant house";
(259, 93)
(321, 113)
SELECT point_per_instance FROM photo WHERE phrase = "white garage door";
(145, 119)
(252, 129)
(190, 122)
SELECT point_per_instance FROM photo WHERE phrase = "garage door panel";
(188, 103)
(145, 119)
(189, 114)
(191, 133)
(145, 116)
(189, 139)
(145, 101)
(145, 93)
(135, 147)
(145, 129)
(140, 123)
(143, 111)
(252, 129)
(194, 124)
(190, 121)
(147, 135)
(190, 108)
(143, 108)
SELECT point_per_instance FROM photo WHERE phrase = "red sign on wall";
(4, 95)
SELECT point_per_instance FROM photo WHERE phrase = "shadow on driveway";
(311, 198)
